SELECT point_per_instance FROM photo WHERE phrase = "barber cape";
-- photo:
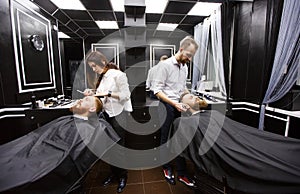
(253, 161)
(55, 156)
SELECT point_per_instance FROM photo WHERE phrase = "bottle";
(33, 102)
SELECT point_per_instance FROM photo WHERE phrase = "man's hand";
(181, 107)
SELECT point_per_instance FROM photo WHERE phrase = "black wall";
(6, 55)
(71, 58)
(8, 72)
(255, 38)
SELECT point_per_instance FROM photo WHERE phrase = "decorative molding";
(27, 65)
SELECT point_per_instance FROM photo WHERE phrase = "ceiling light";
(156, 6)
(69, 4)
(166, 26)
(203, 9)
(107, 24)
(118, 5)
(62, 35)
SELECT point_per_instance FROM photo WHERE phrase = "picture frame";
(110, 50)
(156, 51)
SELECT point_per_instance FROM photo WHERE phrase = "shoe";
(122, 184)
(169, 176)
(108, 180)
(187, 181)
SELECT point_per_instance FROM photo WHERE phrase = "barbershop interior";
(83, 111)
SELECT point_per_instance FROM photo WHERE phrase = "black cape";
(55, 156)
(253, 161)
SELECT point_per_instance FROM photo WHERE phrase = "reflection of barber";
(113, 85)
(151, 72)
(169, 82)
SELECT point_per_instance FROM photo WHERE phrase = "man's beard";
(182, 61)
(202, 104)
(196, 106)
(76, 110)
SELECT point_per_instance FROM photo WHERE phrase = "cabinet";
(18, 121)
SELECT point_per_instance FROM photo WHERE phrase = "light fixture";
(203, 9)
(37, 42)
(118, 5)
(62, 35)
(155, 6)
(166, 26)
(69, 4)
(107, 24)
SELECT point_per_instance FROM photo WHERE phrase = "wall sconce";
(36, 42)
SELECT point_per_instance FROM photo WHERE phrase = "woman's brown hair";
(97, 58)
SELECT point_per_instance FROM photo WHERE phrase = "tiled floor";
(149, 181)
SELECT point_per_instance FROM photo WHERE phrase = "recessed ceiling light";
(118, 5)
(69, 4)
(166, 26)
(156, 6)
(62, 35)
(203, 9)
(107, 24)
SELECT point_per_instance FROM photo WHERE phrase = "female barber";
(113, 87)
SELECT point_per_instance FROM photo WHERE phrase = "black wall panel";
(227, 11)
(255, 38)
(72, 51)
(240, 50)
(136, 73)
(32, 60)
(7, 62)
(257, 50)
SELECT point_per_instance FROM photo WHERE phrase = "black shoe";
(189, 182)
(169, 176)
(122, 184)
(108, 180)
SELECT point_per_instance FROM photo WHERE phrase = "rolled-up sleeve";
(123, 86)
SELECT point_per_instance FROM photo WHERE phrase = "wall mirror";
(33, 49)
(111, 51)
(156, 51)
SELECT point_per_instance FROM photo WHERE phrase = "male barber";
(169, 83)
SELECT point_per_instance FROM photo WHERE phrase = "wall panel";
(24, 70)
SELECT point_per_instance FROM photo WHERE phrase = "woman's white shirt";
(116, 82)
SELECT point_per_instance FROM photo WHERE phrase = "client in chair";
(56, 156)
(252, 161)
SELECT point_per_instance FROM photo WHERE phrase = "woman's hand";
(88, 92)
